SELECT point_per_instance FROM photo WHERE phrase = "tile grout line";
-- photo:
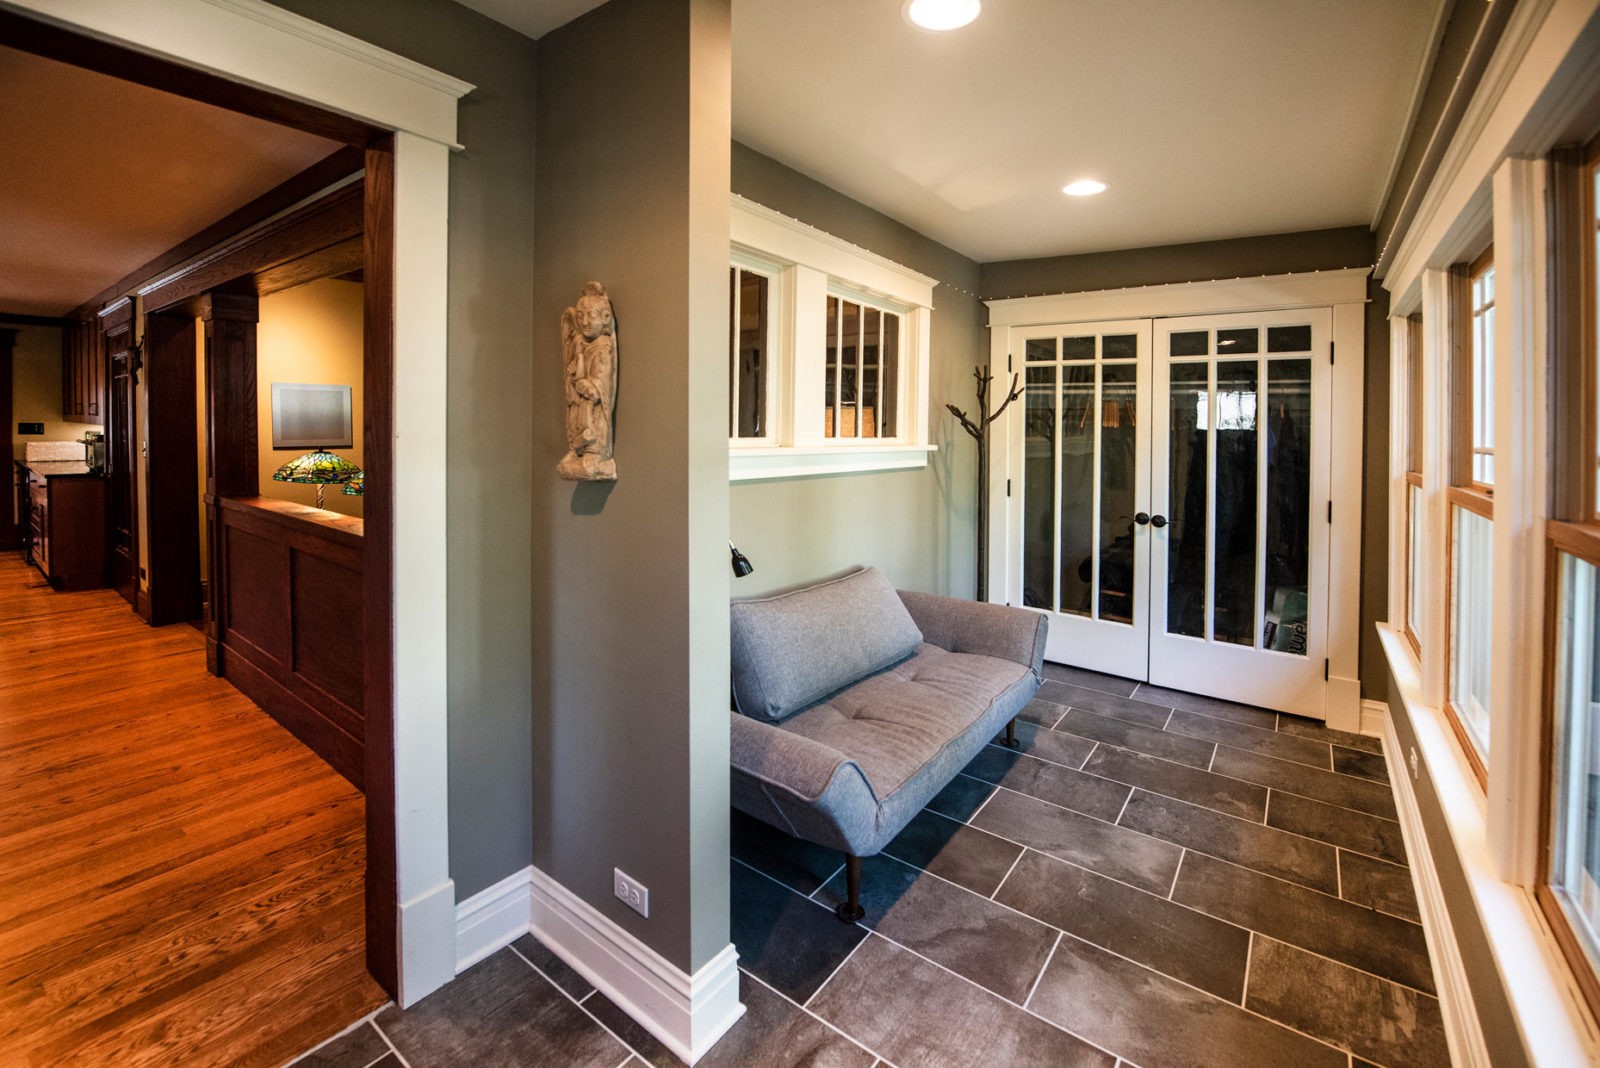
(845, 960)
(1249, 956)
(1212, 763)
(995, 896)
(1338, 872)
(631, 1055)
(834, 875)
(1121, 811)
(993, 789)
(1046, 967)
(1093, 749)
(1173, 889)
(774, 878)
(1352, 967)
(581, 1007)
(825, 1023)
(401, 1057)
(1266, 818)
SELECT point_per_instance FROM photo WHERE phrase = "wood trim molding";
(1473, 499)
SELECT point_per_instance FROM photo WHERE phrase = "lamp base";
(319, 495)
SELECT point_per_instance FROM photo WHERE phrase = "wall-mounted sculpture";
(589, 358)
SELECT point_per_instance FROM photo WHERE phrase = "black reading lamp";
(741, 563)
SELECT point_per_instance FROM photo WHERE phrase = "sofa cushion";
(897, 724)
(792, 650)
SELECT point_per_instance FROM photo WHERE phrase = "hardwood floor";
(182, 879)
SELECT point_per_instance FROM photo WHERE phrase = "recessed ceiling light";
(940, 14)
(1084, 187)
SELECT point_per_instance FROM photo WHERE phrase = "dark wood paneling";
(332, 262)
(17, 319)
(23, 33)
(327, 222)
(173, 496)
(292, 633)
(232, 441)
(8, 520)
(122, 450)
(383, 905)
(341, 164)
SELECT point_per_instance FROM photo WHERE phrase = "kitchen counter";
(59, 468)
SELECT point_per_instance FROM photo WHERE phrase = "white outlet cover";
(631, 892)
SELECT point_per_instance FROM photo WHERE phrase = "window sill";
(761, 462)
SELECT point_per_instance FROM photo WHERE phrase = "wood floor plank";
(183, 878)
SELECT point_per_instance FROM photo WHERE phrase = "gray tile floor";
(1155, 879)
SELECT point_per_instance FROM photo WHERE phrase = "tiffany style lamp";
(319, 468)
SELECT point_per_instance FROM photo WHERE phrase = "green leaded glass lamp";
(356, 487)
(318, 468)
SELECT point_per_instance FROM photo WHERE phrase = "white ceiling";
(1207, 118)
(101, 176)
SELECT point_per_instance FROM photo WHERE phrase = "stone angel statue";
(589, 358)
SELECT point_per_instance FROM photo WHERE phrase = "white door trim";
(257, 44)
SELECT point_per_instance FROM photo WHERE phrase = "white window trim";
(806, 266)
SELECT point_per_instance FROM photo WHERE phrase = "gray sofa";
(855, 704)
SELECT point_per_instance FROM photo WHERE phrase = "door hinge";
(1324, 671)
(1008, 487)
(1330, 352)
(1008, 363)
(1330, 511)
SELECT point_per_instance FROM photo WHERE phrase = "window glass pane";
(1471, 582)
(1039, 348)
(1079, 418)
(1575, 852)
(871, 346)
(1077, 348)
(1189, 343)
(1288, 548)
(1483, 377)
(1119, 346)
(1414, 389)
(1413, 556)
(1238, 342)
(849, 369)
(1039, 487)
(748, 375)
(1289, 338)
(889, 390)
(830, 372)
(1234, 590)
(1186, 507)
(1118, 440)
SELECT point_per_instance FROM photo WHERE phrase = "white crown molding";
(687, 1013)
(1308, 289)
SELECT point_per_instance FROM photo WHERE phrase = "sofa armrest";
(791, 762)
(997, 630)
(801, 786)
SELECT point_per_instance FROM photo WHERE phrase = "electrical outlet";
(631, 892)
(1413, 762)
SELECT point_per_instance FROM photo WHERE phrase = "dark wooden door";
(122, 452)
(10, 516)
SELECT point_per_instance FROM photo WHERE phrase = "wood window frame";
(1478, 502)
(1413, 480)
(1463, 448)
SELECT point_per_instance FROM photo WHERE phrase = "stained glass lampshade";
(319, 468)
(356, 487)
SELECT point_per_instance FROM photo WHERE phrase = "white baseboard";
(427, 942)
(494, 918)
(1344, 703)
(687, 1013)
(1463, 1030)
(1374, 719)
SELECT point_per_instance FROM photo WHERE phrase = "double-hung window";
(1471, 526)
(1412, 621)
(827, 353)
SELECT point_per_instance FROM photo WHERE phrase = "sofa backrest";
(791, 650)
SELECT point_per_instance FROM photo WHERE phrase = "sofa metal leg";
(1011, 735)
(850, 910)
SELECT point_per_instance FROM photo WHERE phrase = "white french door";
(1169, 487)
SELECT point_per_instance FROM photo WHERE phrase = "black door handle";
(1142, 518)
(1158, 521)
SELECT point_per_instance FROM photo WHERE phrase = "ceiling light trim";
(945, 15)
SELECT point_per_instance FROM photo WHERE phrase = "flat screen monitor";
(310, 416)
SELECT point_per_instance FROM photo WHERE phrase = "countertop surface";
(59, 468)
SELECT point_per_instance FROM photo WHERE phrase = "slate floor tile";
(554, 968)
(1090, 680)
(961, 797)
(1126, 709)
(1089, 843)
(952, 851)
(353, 1049)
(1174, 940)
(915, 1013)
(1068, 750)
(776, 1032)
(1346, 791)
(1233, 796)
(1088, 794)
(1355, 762)
(1265, 849)
(1371, 1017)
(1215, 707)
(493, 1014)
(1317, 731)
(1345, 827)
(794, 862)
(1378, 885)
(1254, 739)
(1157, 1022)
(1351, 934)
(788, 942)
(997, 948)
(1195, 752)
(1044, 713)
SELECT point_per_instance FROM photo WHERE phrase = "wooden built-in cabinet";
(65, 529)
(83, 374)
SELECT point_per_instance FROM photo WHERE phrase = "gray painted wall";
(489, 498)
(630, 638)
(917, 526)
(1314, 250)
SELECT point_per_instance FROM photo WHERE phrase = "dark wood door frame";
(8, 522)
(113, 343)
(172, 517)
(382, 875)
